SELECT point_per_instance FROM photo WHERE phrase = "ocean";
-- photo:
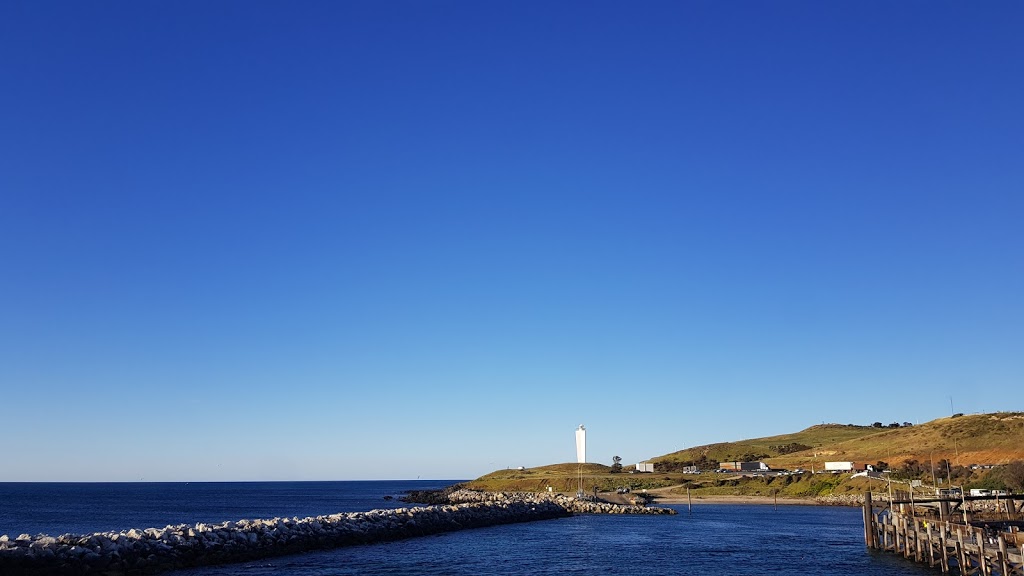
(715, 539)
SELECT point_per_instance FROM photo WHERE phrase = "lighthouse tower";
(581, 459)
(581, 445)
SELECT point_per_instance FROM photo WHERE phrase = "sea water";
(714, 539)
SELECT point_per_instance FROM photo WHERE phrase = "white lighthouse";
(581, 445)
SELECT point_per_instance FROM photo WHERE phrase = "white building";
(839, 466)
(581, 445)
(743, 466)
(645, 467)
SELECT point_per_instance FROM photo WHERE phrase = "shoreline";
(675, 499)
(184, 546)
(181, 546)
(662, 497)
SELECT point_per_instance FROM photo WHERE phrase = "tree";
(616, 464)
(876, 425)
(1012, 476)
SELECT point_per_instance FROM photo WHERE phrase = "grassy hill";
(812, 439)
(973, 439)
(560, 477)
(563, 478)
(963, 440)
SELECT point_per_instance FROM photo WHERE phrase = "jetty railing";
(950, 533)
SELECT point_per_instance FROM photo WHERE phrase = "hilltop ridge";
(949, 447)
(995, 438)
(813, 438)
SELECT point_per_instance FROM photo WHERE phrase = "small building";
(645, 467)
(691, 470)
(847, 467)
(838, 466)
(744, 466)
(984, 492)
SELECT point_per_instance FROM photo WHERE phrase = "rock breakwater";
(432, 497)
(158, 549)
(840, 500)
(570, 504)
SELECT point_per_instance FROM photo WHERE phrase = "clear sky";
(346, 240)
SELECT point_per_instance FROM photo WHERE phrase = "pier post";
(897, 545)
(963, 567)
(931, 546)
(906, 537)
(979, 537)
(944, 559)
(890, 532)
(919, 553)
(1004, 562)
(869, 528)
(897, 541)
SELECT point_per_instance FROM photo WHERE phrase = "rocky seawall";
(980, 507)
(154, 550)
(158, 549)
(432, 497)
(840, 500)
(570, 504)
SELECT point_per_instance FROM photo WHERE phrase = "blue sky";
(330, 240)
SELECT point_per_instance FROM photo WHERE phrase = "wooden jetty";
(950, 533)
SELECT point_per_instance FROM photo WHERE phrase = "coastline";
(675, 499)
(185, 546)
(655, 497)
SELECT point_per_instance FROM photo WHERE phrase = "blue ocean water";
(715, 539)
(82, 508)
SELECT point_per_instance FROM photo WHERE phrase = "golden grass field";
(964, 440)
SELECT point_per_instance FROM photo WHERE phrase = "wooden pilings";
(869, 528)
(1004, 562)
(931, 548)
(953, 548)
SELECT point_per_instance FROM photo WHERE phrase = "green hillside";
(560, 477)
(813, 438)
(947, 446)
(963, 440)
